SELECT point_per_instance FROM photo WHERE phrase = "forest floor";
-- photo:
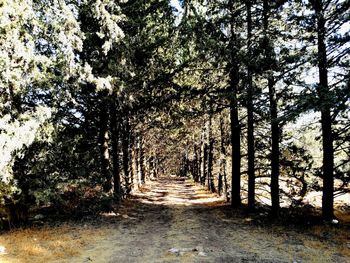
(175, 220)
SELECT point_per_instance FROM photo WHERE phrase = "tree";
(274, 123)
(235, 123)
(37, 68)
(115, 137)
(324, 96)
(250, 110)
(328, 20)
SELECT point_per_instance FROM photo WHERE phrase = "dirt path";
(174, 220)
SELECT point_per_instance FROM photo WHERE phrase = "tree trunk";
(151, 166)
(275, 151)
(203, 157)
(131, 168)
(136, 159)
(250, 110)
(236, 149)
(186, 161)
(200, 150)
(103, 145)
(205, 164)
(326, 120)
(125, 146)
(235, 125)
(115, 150)
(211, 185)
(156, 164)
(141, 161)
(222, 184)
(195, 165)
(275, 131)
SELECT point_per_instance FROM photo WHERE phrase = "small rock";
(39, 217)
(335, 221)
(110, 214)
(202, 254)
(174, 250)
(199, 248)
(125, 216)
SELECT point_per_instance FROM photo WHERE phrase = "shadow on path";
(175, 220)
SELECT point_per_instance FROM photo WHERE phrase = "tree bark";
(195, 165)
(136, 159)
(104, 148)
(274, 123)
(204, 158)
(222, 184)
(326, 120)
(250, 110)
(151, 162)
(211, 185)
(125, 149)
(141, 161)
(115, 133)
(205, 164)
(200, 161)
(275, 151)
(131, 168)
(235, 125)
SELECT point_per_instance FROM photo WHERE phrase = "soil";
(175, 220)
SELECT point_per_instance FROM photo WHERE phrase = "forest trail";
(175, 220)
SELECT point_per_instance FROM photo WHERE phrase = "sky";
(179, 12)
(176, 4)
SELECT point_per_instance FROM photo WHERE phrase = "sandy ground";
(173, 220)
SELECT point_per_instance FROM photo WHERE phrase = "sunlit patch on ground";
(3, 250)
(47, 244)
(170, 192)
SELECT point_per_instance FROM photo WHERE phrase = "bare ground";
(173, 220)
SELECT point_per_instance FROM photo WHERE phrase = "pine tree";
(234, 114)
(250, 111)
(328, 19)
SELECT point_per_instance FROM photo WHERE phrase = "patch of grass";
(343, 216)
(47, 243)
(339, 237)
